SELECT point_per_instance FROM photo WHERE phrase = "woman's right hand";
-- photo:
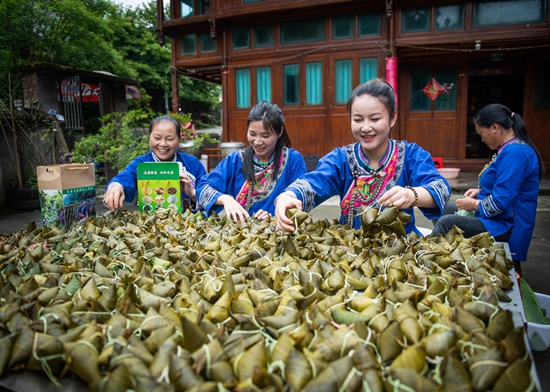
(283, 203)
(233, 209)
(114, 197)
(473, 192)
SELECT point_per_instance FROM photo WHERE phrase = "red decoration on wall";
(90, 92)
(433, 89)
(391, 74)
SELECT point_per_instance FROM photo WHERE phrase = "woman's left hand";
(398, 197)
(262, 215)
(188, 187)
(466, 204)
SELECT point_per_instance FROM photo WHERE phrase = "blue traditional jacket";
(343, 172)
(228, 178)
(509, 194)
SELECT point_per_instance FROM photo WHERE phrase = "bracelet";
(415, 196)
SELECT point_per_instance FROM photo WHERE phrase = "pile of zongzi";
(177, 302)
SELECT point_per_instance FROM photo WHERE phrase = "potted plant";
(123, 137)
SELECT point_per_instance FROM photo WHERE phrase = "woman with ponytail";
(505, 201)
(248, 180)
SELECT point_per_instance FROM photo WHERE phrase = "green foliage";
(124, 137)
(118, 141)
(95, 35)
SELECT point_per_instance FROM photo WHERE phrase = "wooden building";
(307, 56)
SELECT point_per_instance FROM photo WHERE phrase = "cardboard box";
(159, 186)
(67, 193)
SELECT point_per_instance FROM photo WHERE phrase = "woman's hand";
(262, 215)
(473, 192)
(233, 209)
(467, 204)
(114, 197)
(283, 203)
(398, 197)
(188, 187)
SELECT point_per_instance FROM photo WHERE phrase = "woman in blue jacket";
(164, 141)
(505, 201)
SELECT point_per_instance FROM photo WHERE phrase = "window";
(241, 38)
(342, 27)
(368, 69)
(291, 84)
(542, 82)
(187, 8)
(301, 31)
(369, 24)
(205, 7)
(415, 20)
(314, 83)
(508, 12)
(208, 45)
(449, 17)
(188, 44)
(343, 80)
(242, 88)
(263, 36)
(421, 77)
(263, 84)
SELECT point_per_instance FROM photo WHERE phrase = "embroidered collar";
(263, 165)
(364, 160)
(511, 141)
(157, 159)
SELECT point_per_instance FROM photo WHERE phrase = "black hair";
(376, 88)
(496, 113)
(166, 118)
(273, 121)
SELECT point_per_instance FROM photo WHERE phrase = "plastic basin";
(539, 334)
(449, 172)
(228, 147)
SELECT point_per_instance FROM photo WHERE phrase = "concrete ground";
(536, 271)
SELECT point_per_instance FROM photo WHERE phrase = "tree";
(95, 35)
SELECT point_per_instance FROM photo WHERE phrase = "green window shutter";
(368, 69)
(314, 83)
(242, 88)
(343, 81)
(263, 84)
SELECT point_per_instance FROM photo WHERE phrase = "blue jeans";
(471, 226)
